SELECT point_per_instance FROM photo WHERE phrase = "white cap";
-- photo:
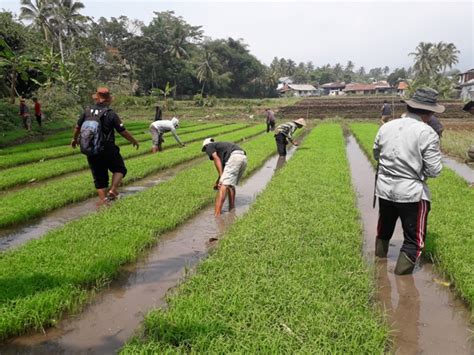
(206, 142)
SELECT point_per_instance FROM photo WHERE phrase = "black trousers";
(270, 126)
(109, 159)
(414, 217)
(281, 142)
(38, 119)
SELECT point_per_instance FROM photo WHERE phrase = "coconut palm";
(425, 63)
(205, 71)
(39, 12)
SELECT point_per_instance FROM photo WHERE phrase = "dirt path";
(462, 169)
(425, 316)
(117, 312)
(34, 229)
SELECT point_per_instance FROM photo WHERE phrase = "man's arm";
(128, 136)
(431, 154)
(75, 135)
(175, 135)
(219, 168)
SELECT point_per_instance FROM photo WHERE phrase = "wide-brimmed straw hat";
(467, 107)
(102, 94)
(300, 121)
(425, 99)
(206, 142)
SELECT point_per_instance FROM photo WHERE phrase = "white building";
(298, 90)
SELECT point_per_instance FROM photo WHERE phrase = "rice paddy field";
(288, 272)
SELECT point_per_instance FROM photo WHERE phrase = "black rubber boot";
(381, 247)
(404, 265)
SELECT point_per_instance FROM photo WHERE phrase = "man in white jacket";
(408, 153)
(158, 128)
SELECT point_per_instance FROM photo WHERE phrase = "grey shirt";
(408, 153)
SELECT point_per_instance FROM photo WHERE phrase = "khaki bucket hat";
(425, 99)
(300, 121)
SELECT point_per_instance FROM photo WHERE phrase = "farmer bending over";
(408, 153)
(270, 119)
(94, 133)
(284, 133)
(469, 107)
(230, 162)
(160, 127)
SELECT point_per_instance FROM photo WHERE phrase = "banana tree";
(14, 65)
(166, 91)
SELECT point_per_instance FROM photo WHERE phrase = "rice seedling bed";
(64, 138)
(288, 277)
(450, 237)
(58, 273)
(34, 172)
(27, 203)
(10, 160)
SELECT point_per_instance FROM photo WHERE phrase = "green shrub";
(58, 103)
(9, 118)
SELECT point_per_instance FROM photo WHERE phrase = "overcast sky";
(370, 33)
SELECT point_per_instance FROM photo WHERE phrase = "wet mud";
(34, 229)
(105, 325)
(462, 169)
(424, 315)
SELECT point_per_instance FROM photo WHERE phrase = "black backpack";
(91, 138)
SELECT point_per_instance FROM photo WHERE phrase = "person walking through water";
(386, 112)
(38, 112)
(469, 107)
(25, 114)
(284, 134)
(94, 133)
(270, 119)
(159, 128)
(230, 161)
(408, 153)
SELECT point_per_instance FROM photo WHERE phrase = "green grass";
(64, 138)
(75, 188)
(450, 236)
(287, 278)
(9, 137)
(44, 278)
(10, 160)
(23, 174)
(456, 143)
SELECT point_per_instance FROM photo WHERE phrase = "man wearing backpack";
(94, 133)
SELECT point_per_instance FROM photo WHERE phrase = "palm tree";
(450, 55)
(39, 13)
(205, 72)
(425, 64)
(68, 22)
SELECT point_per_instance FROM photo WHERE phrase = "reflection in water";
(402, 307)
(280, 162)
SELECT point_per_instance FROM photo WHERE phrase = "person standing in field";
(270, 119)
(159, 128)
(158, 113)
(284, 134)
(469, 107)
(230, 161)
(438, 127)
(386, 112)
(25, 114)
(408, 153)
(94, 133)
(38, 113)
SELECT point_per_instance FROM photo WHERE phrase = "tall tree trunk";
(202, 89)
(12, 87)
(61, 49)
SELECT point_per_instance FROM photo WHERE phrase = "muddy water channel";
(462, 169)
(14, 236)
(105, 325)
(424, 315)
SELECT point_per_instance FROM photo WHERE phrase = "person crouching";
(230, 161)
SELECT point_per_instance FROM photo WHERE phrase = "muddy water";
(461, 169)
(34, 229)
(425, 316)
(116, 313)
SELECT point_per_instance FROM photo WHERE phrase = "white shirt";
(408, 152)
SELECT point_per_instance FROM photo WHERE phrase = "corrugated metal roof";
(337, 85)
(359, 87)
(302, 87)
